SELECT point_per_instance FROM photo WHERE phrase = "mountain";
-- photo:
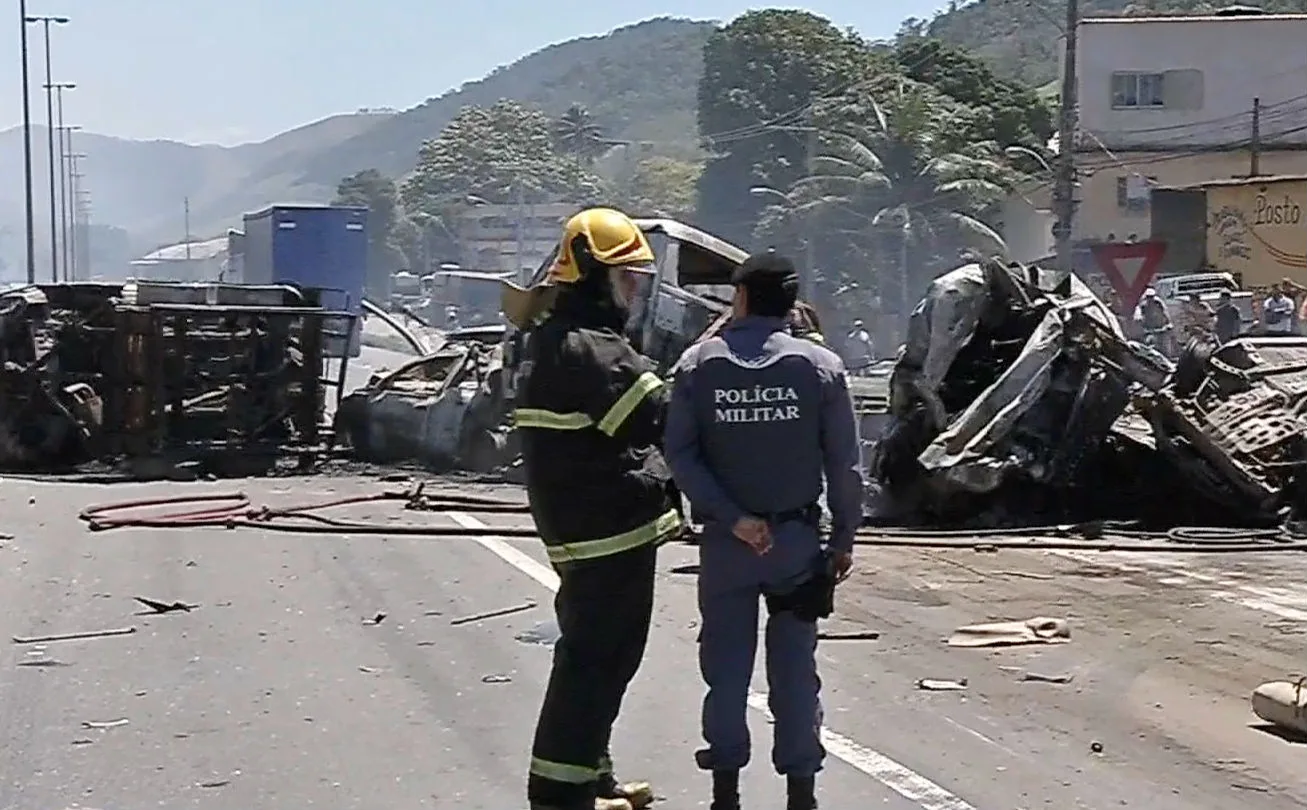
(143, 186)
(638, 82)
(1021, 39)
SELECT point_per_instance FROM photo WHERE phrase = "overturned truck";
(1017, 399)
(221, 379)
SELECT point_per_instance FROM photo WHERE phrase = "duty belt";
(810, 514)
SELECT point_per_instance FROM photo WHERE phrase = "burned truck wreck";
(1018, 400)
(224, 379)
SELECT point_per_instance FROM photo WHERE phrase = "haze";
(231, 71)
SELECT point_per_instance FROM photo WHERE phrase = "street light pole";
(1064, 189)
(74, 208)
(27, 145)
(49, 131)
(59, 89)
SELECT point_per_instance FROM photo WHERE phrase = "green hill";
(1021, 38)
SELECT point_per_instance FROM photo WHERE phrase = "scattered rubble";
(1039, 630)
(494, 614)
(117, 631)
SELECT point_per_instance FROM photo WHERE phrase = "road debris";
(375, 620)
(1039, 630)
(165, 607)
(493, 614)
(101, 725)
(1037, 677)
(941, 684)
(545, 633)
(496, 679)
(118, 631)
(1283, 704)
(850, 635)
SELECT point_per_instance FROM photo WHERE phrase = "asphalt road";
(277, 690)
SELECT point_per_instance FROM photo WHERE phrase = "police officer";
(590, 416)
(757, 417)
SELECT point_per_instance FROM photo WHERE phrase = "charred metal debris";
(159, 377)
(1018, 400)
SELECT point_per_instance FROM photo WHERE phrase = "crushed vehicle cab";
(1004, 400)
(444, 409)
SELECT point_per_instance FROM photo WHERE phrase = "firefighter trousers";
(604, 609)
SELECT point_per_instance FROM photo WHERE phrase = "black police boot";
(725, 790)
(801, 793)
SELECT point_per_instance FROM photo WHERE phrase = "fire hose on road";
(236, 510)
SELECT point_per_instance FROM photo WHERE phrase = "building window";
(1133, 192)
(1137, 90)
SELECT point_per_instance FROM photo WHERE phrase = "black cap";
(766, 269)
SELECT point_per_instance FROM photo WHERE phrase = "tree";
(576, 133)
(499, 154)
(660, 186)
(900, 176)
(379, 194)
(1007, 113)
(761, 74)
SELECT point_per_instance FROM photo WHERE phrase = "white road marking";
(899, 778)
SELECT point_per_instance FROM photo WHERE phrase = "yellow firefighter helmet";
(611, 237)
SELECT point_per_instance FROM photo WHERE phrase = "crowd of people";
(1279, 310)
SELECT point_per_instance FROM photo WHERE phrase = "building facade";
(1178, 101)
(510, 238)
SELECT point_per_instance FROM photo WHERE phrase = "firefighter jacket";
(589, 413)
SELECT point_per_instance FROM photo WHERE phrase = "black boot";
(725, 790)
(801, 793)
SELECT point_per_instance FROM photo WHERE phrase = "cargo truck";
(313, 246)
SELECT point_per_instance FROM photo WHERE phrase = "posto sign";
(1277, 210)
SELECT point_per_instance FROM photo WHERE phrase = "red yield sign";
(1130, 266)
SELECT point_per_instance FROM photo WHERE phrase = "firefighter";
(590, 413)
(758, 416)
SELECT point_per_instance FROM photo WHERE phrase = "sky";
(233, 71)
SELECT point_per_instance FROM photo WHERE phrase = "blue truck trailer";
(319, 246)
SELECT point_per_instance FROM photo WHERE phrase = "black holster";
(814, 598)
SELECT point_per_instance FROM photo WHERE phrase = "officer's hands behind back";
(755, 533)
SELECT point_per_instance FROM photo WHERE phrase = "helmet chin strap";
(615, 283)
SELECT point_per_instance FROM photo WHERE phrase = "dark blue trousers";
(732, 582)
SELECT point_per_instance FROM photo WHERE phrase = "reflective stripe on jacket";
(589, 413)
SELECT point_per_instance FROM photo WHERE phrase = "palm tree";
(576, 133)
(897, 167)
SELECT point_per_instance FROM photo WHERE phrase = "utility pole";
(1255, 145)
(84, 210)
(186, 207)
(521, 229)
(27, 145)
(808, 285)
(1064, 190)
(59, 89)
(74, 209)
(49, 132)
